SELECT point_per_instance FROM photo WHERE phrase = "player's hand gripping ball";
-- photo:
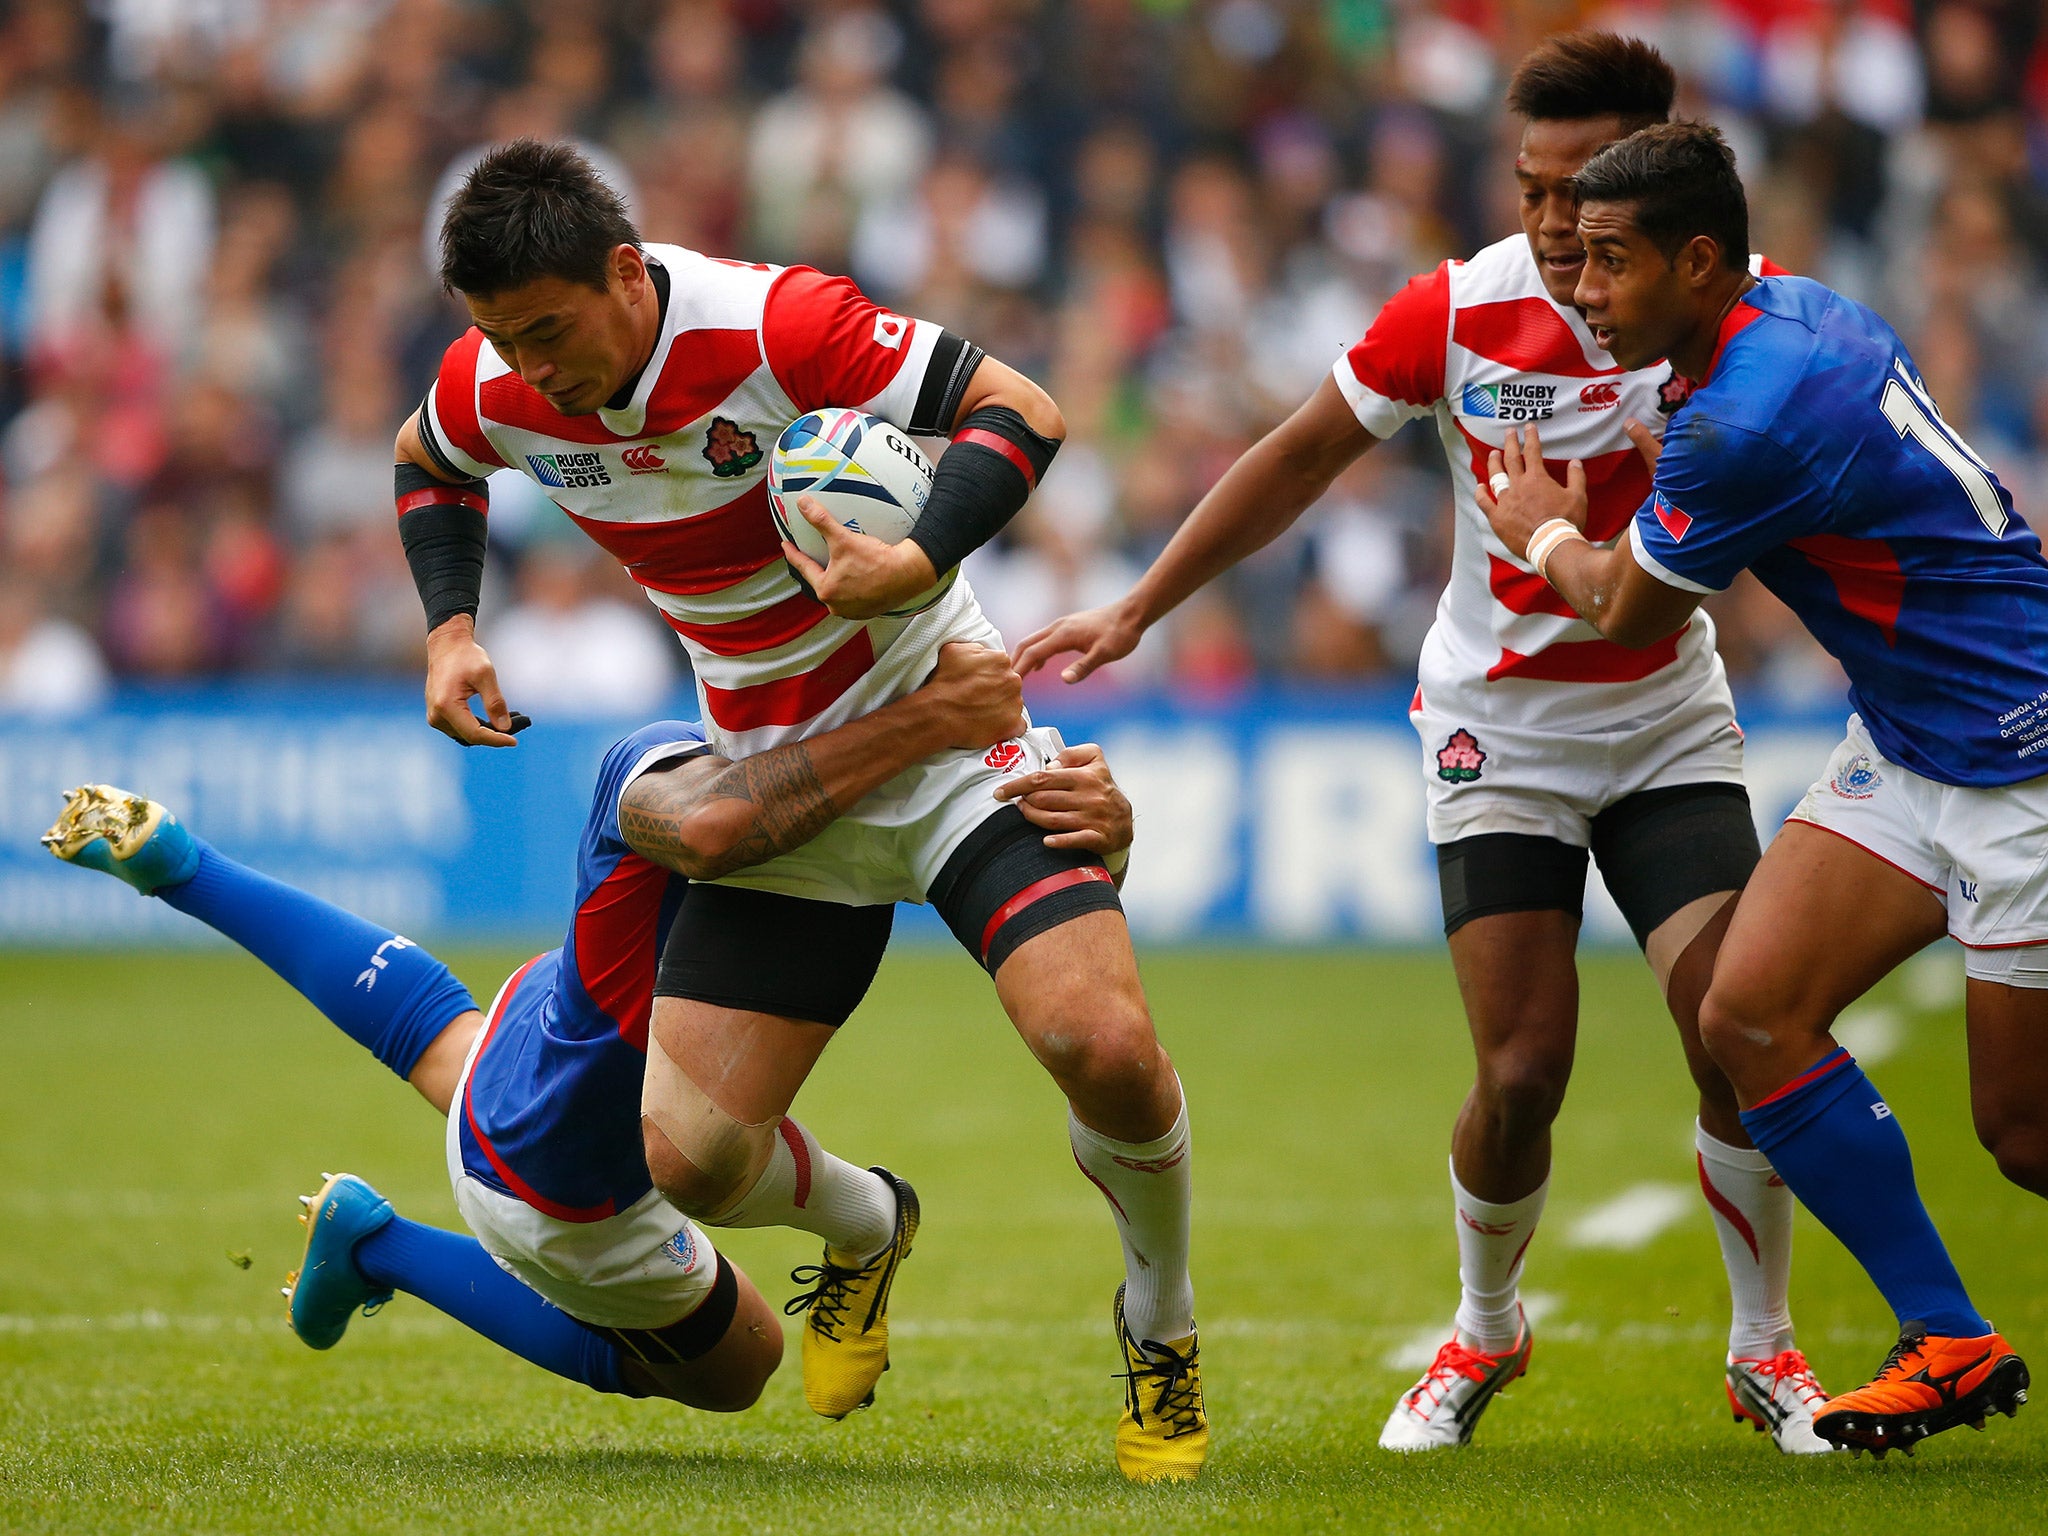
(865, 472)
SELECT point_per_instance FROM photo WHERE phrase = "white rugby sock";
(1491, 1241)
(1753, 1218)
(806, 1187)
(1150, 1188)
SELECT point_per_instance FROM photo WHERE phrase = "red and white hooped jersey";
(674, 484)
(1481, 346)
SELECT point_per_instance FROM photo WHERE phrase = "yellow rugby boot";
(1164, 1433)
(846, 1334)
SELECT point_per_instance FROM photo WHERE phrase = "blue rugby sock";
(1835, 1142)
(385, 992)
(453, 1274)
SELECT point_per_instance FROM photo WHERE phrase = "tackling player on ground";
(578, 1264)
(1812, 455)
(642, 387)
(1540, 738)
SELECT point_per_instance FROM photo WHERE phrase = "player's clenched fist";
(458, 670)
(862, 577)
(1075, 800)
(1101, 635)
(978, 698)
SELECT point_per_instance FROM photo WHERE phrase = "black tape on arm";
(445, 533)
(992, 468)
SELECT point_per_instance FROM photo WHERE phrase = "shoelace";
(1907, 1348)
(826, 1300)
(1455, 1359)
(1789, 1366)
(1174, 1402)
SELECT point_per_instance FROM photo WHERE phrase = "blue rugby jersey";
(551, 1110)
(1813, 455)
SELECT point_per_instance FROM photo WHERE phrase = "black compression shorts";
(769, 953)
(1658, 849)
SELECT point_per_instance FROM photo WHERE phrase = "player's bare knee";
(1111, 1051)
(1732, 1028)
(1522, 1091)
(2018, 1142)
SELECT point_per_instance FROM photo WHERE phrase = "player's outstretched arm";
(1544, 523)
(710, 816)
(1258, 499)
(441, 520)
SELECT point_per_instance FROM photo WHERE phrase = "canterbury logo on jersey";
(569, 471)
(1511, 401)
(644, 460)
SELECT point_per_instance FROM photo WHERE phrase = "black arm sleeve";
(444, 532)
(987, 474)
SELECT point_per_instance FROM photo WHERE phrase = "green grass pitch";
(159, 1112)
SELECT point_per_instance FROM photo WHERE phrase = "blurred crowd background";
(216, 299)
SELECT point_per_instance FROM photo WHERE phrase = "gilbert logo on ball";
(866, 473)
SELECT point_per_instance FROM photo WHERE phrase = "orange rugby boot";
(1927, 1384)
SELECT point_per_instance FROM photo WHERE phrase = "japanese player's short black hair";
(1679, 179)
(530, 210)
(1579, 75)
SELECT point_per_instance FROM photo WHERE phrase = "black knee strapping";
(1003, 886)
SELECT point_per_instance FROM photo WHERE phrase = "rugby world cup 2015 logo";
(1460, 759)
(569, 471)
(1856, 779)
(1513, 400)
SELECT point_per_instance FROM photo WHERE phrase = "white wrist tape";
(1544, 541)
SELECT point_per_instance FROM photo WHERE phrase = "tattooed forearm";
(748, 811)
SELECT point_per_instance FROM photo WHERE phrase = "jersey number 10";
(1912, 414)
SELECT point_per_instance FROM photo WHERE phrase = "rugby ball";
(865, 472)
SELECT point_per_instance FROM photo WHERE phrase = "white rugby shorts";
(1984, 852)
(646, 1267)
(1483, 778)
(892, 845)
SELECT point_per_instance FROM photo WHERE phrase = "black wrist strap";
(445, 533)
(988, 473)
